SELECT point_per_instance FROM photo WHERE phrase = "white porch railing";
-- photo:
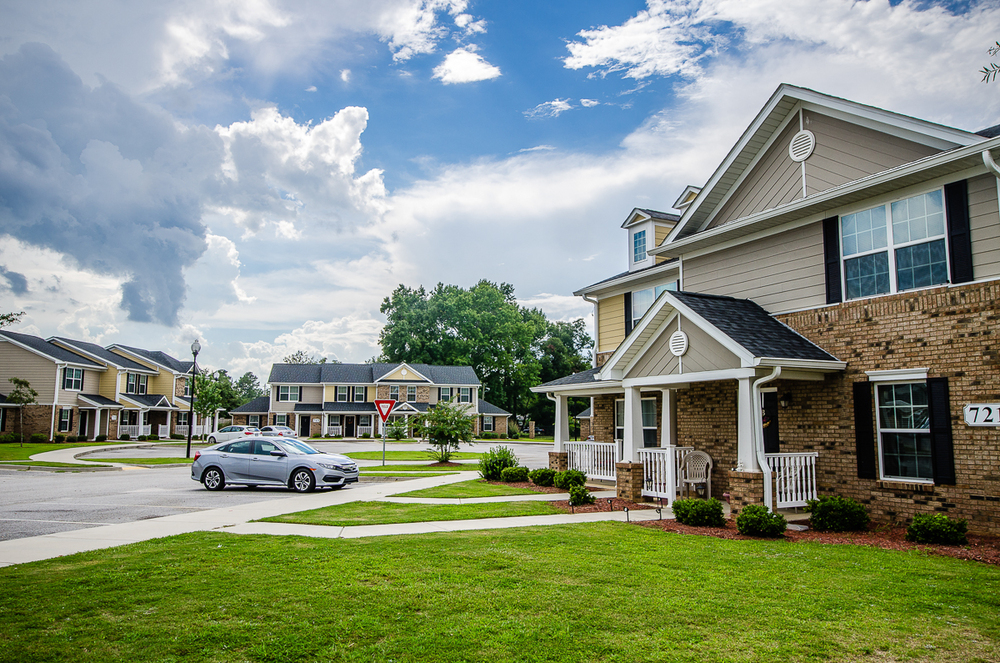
(595, 459)
(795, 478)
(134, 431)
(182, 429)
(362, 430)
(163, 430)
(335, 430)
(661, 471)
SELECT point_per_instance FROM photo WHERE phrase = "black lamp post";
(195, 349)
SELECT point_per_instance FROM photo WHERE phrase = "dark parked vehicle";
(270, 461)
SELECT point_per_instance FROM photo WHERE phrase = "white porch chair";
(696, 469)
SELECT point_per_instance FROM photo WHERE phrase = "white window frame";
(253, 420)
(73, 379)
(394, 392)
(364, 420)
(891, 246)
(65, 420)
(288, 393)
(131, 380)
(281, 420)
(342, 393)
(654, 292)
(465, 394)
(639, 254)
(897, 376)
(620, 417)
(487, 423)
(362, 392)
(187, 387)
(445, 390)
(333, 420)
(142, 383)
(182, 418)
(411, 393)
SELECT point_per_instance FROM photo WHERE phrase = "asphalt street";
(34, 502)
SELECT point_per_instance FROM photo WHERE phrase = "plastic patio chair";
(696, 469)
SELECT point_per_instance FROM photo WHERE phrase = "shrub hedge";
(514, 474)
(493, 462)
(832, 513)
(569, 478)
(699, 513)
(579, 496)
(937, 528)
(756, 520)
(543, 476)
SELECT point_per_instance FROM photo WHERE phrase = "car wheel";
(211, 439)
(214, 479)
(302, 481)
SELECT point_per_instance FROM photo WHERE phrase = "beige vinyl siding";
(311, 394)
(109, 380)
(16, 362)
(782, 272)
(611, 321)
(91, 384)
(661, 233)
(773, 181)
(984, 225)
(329, 393)
(142, 362)
(704, 354)
(163, 384)
(846, 152)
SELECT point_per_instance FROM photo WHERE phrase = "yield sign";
(384, 408)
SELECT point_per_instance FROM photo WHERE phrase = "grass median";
(14, 451)
(409, 455)
(577, 593)
(468, 467)
(385, 513)
(467, 489)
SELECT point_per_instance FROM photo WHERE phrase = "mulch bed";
(980, 548)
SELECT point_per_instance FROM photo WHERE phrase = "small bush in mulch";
(837, 514)
(543, 476)
(59, 439)
(937, 528)
(580, 496)
(512, 474)
(569, 478)
(39, 438)
(492, 462)
(756, 520)
(103, 438)
(699, 513)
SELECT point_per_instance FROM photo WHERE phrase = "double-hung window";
(638, 246)
(182, 418)
(253, 420)
(643, 299)
(136, 384)
(895, 247)
(342, 394)
(487, 423)
(65, 420)
(445, 394)
(904, 431)
(359, 394)
(288, 393)
(72, 379)
(281, 420)
(333, 420)
(411, 394)
(649, 431)
(394, 392)
(465, 394)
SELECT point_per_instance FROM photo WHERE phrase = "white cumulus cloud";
(549, 108)
(464, 65)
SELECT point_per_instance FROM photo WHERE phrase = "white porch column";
(744, 429)
(668, 436)
(215, 429)
(562, 423)
(632, 441)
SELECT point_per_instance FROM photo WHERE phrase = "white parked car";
(232, 432)
(277, 431)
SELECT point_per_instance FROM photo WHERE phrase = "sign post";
(384, 407)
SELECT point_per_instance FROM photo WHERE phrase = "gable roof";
(366, 373)
(102, 354)
(259, 405)
(50, 350)
(491, 409)
(640, 214)
(157, 357)
(158, 401)
(771, 119)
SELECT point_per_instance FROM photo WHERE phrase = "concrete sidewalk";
(237, 520)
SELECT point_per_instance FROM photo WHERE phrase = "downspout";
(758, 434)
(991, 165)
(596, 329)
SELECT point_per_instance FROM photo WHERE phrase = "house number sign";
(982, 414)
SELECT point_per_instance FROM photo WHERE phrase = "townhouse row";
(87, 390)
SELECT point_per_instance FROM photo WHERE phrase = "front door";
(84, 424)
(304, 425)
(349, 426)
(770, 412)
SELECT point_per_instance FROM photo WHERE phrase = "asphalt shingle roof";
(150, 400)
(586, 414)
(258, 405)
(365, 373)
(161, 358)
(491, 409)
(104, 354)
(582, 377)
(752, 327)
(100, 400)
(49, 349)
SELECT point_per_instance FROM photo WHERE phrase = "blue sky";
(260, 174)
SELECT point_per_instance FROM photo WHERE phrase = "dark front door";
(304, 425)
(771, 444)
(349, 426)
(84, 424)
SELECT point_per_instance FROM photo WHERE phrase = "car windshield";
(300, 447)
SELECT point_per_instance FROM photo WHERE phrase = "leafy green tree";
(989, 72)
(8, 319)
(445, 426)
(248, 387)
(227, 390)
(207, 397)
(22, 394)
(564, 350)
(303, 357)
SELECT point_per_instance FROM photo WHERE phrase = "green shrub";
(514, 474)
(832, 513)
(124, 437)
(699, 513)
(493, 462)
(579, 496)
(153, 437)
(513, 434)
(487, 435)
(59, 439)
(104, 438)
(569, 478)
(72, 438)
(7, 438)
(937, 528)
(396, 430)
(543, 476)
(756, 520)
(173, 436)
(38, 438)
(142, 438)
(365, 436)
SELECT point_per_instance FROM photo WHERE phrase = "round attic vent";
(802, 145)
(678, 343)
(403, 372)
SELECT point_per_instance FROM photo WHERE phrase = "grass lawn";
(474, 488)
(576, 593)
(14, 451)
(409, 455)
(416, 468)
(411, 475)
(383, 513)
(150, 461)
(36, 463)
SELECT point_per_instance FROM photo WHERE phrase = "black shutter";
(831, 257)
(942, 450)
(864, 430)
(956, 203)
(628, 313)
(439, 393)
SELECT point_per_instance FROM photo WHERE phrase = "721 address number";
(982, 414)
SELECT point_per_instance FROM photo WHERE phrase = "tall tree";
(248, 387)
(8, 319)
(990, 71)
(22, 394)
(564, 351)
(303, 357)
(207, 396)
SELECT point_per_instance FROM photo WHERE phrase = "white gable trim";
(58, 362)
(419, 376)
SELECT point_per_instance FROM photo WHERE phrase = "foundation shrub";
(396, 430)
(104, 438)
(832, 513)
(125, 437)
(579, 496)
(543, 476)
(514, 474)
(699, 513)
(58, 439)
(153, 437)
(756, 520)
(72, 438)
(569, 478)
(493, 462)
(175, 436)
(487, 435)
(8, 438)
(937, 528)
(365, 436)
(142, 438)
(39, 438)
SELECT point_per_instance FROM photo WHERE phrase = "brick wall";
(37, 419)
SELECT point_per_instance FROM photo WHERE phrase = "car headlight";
(334, 466)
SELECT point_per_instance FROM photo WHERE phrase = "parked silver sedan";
(269, 461)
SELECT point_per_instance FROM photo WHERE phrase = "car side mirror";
(278, 452)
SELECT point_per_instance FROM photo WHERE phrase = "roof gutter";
(991, 165)
(758, 434)
(597, 329)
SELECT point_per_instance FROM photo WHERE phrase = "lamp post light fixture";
(195, 349)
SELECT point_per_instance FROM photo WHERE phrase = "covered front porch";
(680, 384)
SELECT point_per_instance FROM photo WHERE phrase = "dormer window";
(639, 246)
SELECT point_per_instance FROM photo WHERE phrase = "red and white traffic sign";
(384, 408)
